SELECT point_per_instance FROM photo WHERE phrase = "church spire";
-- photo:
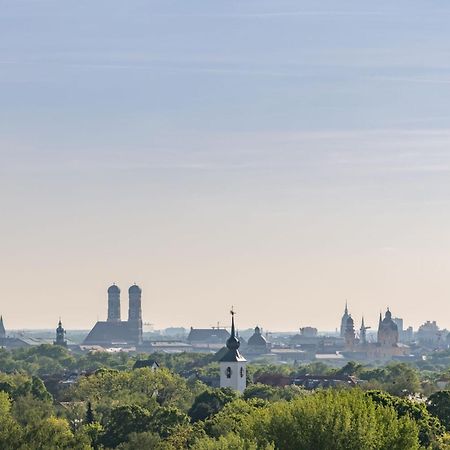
(233, 342)
(2, 328)
(344, 320)
(232, 322)
(362, 332)
(232, 363)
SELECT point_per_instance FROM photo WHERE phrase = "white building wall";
(238, 378)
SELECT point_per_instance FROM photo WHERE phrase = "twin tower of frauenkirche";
(116, 332)
(134, 304)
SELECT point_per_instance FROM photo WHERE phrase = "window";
(228, 372)
(242, 372)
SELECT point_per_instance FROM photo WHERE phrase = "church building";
(114, 331)
(257, 344)
(387, 331)
(233, 366)
(386, 347)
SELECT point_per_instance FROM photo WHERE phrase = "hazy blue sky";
(280, 156)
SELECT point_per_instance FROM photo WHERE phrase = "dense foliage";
(110, 405)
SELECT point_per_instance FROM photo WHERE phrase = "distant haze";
(278, 156)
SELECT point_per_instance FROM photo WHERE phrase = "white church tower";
(233, 366)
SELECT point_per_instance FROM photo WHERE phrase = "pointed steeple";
(344, 320)
(233, 344)
(362, 332)
(232, 364)
(2, 328)
(232, 321)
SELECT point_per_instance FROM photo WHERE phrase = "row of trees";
(140, 409)
(52, 359)
(118, 407)
(395, 378)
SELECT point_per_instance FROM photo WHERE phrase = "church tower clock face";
(233, 364)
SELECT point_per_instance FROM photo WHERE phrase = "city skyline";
(123, 309)
(278, 156)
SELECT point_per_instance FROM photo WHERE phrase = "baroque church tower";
(60, 335)
(233, 366)
(387, 331)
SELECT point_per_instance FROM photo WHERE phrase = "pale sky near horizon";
(279, 156)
